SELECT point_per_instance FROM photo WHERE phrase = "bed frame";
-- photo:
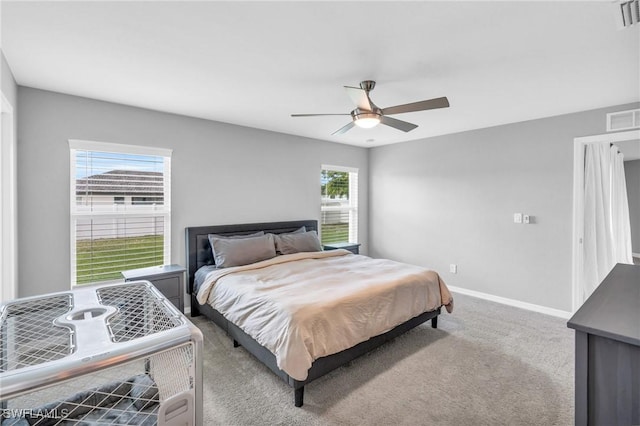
(198, 251)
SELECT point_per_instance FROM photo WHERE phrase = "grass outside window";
(335, 233)
(104, 259)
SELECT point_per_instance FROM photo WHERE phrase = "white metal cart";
(113, 354)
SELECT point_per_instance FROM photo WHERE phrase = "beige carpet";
(486, 364)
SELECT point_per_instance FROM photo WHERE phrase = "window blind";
(120, 209)
(339, 204)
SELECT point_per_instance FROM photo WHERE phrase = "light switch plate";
(517, 218)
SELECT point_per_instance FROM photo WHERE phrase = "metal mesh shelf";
(140, 313)
(29, 335)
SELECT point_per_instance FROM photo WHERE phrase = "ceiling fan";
(368, 115)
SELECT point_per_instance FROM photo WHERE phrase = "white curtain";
(607, 231)
(620, 222)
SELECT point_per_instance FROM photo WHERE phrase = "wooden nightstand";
(352, 247)
(169, 279)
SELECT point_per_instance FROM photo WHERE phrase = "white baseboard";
(635, 254)
(511, 302)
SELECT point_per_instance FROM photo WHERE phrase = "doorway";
(579, 145)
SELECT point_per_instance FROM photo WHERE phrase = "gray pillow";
(297, 242)
(300, 230)
(230, 237)
(235, 237)
(229, 252)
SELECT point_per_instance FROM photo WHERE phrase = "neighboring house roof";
(122, 182)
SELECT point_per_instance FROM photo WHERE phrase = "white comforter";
(305, 306)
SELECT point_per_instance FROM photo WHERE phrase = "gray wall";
(432, 202)
(221, 174)
(9, 87)
(451, 199)
(632, 176)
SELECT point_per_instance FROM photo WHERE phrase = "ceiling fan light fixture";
(367, 120)
(367, 115)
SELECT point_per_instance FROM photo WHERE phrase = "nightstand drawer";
(168, 279)
(170, 287)
(176, 302)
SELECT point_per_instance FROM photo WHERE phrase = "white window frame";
(164, 211)
(353, 199)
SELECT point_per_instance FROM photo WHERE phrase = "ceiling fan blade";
(418, 106)
(359, 97)
(398, 124)
(344, 128)
(313, 115)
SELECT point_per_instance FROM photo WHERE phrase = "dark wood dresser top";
(613, 310)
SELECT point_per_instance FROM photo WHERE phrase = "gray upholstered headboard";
(198, 249)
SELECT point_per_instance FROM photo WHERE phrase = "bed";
(242, 328)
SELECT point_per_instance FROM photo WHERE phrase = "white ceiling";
(255, 63)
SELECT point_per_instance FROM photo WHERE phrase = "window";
(120, 209)
(339, 204)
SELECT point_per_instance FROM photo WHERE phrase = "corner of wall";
(9, 86)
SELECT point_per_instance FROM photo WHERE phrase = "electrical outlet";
(453, 268)
(517, 218)
(525, 218)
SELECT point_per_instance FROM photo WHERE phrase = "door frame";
(8, 203)
(579, 144)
